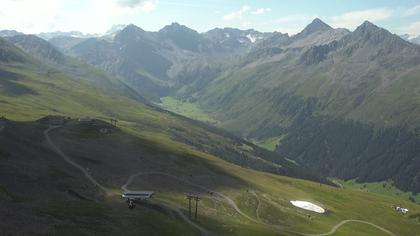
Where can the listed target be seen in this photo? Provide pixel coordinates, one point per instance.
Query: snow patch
(308, 206)
(251, 38)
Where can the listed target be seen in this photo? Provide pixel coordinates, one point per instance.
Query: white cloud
(260, 11)
(148, 6)
(28, 15)
(116, 7)
(351, 20)
(94, 16)
(412, 11)
(237, 14)
(413, 29)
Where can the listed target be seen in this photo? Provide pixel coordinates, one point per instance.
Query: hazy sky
(287, 16)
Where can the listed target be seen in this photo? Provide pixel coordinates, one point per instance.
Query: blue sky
(288, 16)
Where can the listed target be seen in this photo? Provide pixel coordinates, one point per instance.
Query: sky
(286, 16)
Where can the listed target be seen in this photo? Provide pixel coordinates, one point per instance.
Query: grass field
(385, 188)
(263, 197)
(187, 109)
(269, 143)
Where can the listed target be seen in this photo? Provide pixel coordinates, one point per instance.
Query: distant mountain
(184, 38)
(407, 37)
(316, 33)
(37, 47)
(232, 40)
(316, 91)
(75, 34)
(9, 53)
(320, 91)
(415, 40)
(146, 60)
(149, 61)
(9, 33)
(65, 43)
(75, 89)
(133, 54)
(115, 29)
(317, 37)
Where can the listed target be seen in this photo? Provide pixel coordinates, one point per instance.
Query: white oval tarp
(308, 206)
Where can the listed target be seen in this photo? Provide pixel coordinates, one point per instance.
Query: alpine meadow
(245, 118)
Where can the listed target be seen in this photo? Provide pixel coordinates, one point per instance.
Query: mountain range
(38, 61)
(337, 104)
(415, 39)
(272, 85)
(342, 103)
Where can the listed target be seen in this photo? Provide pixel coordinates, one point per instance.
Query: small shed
(86, 120)
(53, 120)
(57, 120)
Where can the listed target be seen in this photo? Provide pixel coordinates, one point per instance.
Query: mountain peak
(176, 27)
(373, 35)
(175, 24)
(368, 28)
(130, 31)
(131, 28)
(37, 46)
(318, 21)
(115, 29)
(9, 33)
(368, 25)
(315, 26)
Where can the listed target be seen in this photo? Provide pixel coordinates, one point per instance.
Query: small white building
(401, 209)
(133, 197)
(137, 195)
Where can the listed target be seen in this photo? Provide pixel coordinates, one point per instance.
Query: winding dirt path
(71, 162)
(233, 204)
(257, 211)
(258, 221)
(170, 205)
(227, 199)
(176, 208)
(337, 226)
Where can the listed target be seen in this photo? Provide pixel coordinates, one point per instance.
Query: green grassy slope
(112, 158)
(187, 109)
(151, 140)
(347, 109)
(268, 143)
(32, 90)
(385, 187)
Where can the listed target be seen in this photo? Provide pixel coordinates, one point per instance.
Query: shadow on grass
(11, 87)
